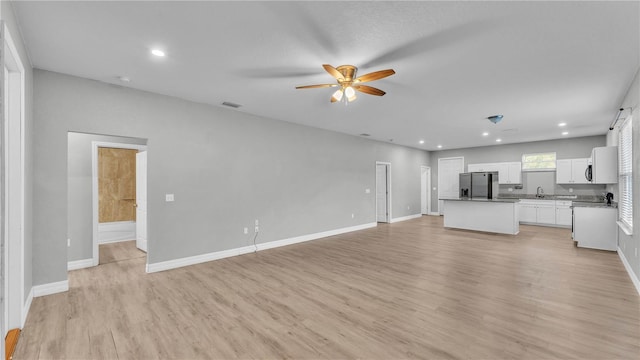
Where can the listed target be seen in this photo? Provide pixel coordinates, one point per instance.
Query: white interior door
(449, 170)
(425, 185)
(141, 200)
(382, 193)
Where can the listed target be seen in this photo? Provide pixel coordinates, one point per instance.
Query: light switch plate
(168, 197)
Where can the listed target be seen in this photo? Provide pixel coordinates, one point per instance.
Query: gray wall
(629, 244)
(565, 149)
(7, 15)
(225, 167)
(80, 189)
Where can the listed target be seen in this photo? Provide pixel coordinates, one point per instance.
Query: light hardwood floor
(406, 290)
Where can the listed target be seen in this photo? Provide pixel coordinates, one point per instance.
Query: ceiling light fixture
(421, 141)
(565, 133)
(349, 83)
(439, 146)
(562, 124)
(158, 52)
(495, 118)
(124, 79)
(498, 140)
(485, 134)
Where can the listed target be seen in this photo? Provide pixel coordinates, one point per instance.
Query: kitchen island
(489, 215)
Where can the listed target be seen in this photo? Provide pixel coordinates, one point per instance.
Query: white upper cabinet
(571, 171)
(508, 172)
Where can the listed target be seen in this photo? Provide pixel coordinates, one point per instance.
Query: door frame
(425, 189)
(94, 192)
(13, 82)
(388, 166)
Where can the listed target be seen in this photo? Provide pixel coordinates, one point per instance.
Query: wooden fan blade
(333, 71)
(376, 75)
(369, 90)
(316, 86)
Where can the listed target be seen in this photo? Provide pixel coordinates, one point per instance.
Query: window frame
(625, 176)
(553, 168)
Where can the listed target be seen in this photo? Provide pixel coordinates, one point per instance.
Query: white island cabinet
(489, 215)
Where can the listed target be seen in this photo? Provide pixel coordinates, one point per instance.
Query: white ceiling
(456, 63)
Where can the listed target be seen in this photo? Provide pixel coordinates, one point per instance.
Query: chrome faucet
(539, 192)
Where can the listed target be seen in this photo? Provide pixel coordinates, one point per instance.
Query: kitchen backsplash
(547, 180)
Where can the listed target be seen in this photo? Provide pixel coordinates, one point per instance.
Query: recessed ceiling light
(158, 52)
(498, 140)
(565, 133)
(364, 134)
(485, 134)
(124, 79)
(562, 124)
(439, 146)
(421, 141)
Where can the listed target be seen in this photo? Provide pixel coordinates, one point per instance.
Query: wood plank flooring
(406, 290)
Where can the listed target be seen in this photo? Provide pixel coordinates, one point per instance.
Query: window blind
(625, 174)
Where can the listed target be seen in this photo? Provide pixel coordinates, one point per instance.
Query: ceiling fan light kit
(348, 83)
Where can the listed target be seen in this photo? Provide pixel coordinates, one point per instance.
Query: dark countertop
(586, 198)
(599, 204)
(498, 200)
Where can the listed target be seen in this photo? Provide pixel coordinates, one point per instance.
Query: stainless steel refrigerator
(479, 185)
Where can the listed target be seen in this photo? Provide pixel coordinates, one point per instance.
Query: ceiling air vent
(365, 135)
(230, 104)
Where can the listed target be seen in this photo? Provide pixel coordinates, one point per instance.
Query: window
(625, 176)
(539, 162)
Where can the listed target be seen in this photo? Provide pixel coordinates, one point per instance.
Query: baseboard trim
(627, 266)
(26, 307)
(79, 264)
(405, 218)
(50, 288)
(434, 213)
(309, 237)
(198, 259)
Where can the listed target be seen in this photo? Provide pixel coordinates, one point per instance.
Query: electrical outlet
(353, 216)
(68, 242)
(367, 191)
(257, 223)
(246, 230)
(409, 207)
(169, 197)
(257, 229)
(570, 190)
(510, 189)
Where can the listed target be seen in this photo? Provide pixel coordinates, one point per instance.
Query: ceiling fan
(348, 83)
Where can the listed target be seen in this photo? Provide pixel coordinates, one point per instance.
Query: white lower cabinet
(564, 214)
(545, 212)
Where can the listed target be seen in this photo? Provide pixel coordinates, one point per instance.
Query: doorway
(119, 208)
(425, 192)
(383, 192)
(15, 300)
